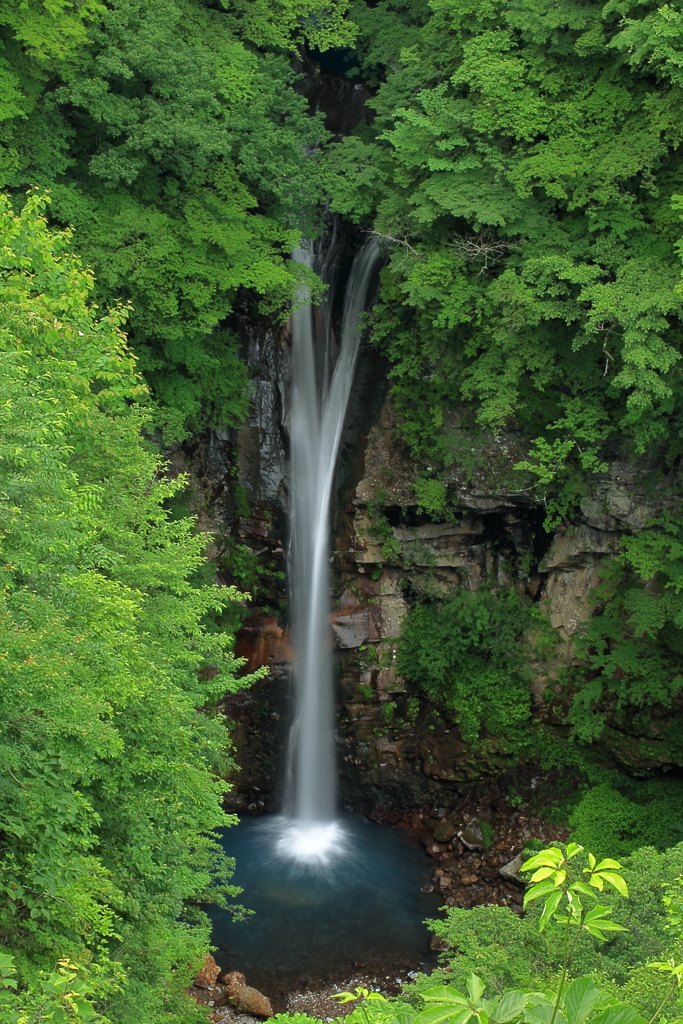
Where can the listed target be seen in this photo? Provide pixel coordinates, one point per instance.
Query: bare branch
(400, 241)
(482, 248)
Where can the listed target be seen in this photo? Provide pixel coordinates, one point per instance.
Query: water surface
(364, 912)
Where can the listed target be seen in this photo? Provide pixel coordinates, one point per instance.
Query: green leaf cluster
(62, 995)
(608, 820)
(110, 753)
(562, 877)
(468, 653)
(510, 952)
(633, 642)
(524, 166)
(172, 139)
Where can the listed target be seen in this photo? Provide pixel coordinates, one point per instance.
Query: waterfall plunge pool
(361, 911)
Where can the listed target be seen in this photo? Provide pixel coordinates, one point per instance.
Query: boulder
(567, 597)
(427, 840)
(510, 871)
(208, 974)
(472, 837)
(245, 998)
(624, 498)
(233, 978)
(445, 831)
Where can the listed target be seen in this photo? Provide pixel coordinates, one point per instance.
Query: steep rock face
(262, 441)
(344, 103)
(396, 748)
(394, 550)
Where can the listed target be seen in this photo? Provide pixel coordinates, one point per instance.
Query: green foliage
(432, 498)
(374, 1008)
(360, 995)
(564, 879)
(672, 968)
(243, 564)
(183, 158)
(381, 530)
(606, 820)
(634, 643)
(60, 996)
(287, 24)
(384, 29)
(510, 952)
(388, 711)
(487, 833)
(293, 1018)
(522, 169)
(467, 652)
(251, 572)
(564, 886)
(37, 37)
(493, 943)
(110, 789)
(580, 1001)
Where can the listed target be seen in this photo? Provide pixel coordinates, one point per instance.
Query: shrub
(607, 821)
(468, 652)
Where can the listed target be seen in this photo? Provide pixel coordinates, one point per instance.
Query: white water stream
(308, 831)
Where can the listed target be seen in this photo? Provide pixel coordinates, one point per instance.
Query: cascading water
(330, 891)
(320, 394)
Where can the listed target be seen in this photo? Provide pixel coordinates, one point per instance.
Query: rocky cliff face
(396, 749)
(399, 747)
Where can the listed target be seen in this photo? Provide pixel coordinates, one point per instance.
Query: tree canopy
(110, 778)
(524, 171)
(173, 142)
(526, 167)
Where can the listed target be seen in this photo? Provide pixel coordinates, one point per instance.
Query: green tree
(186, 162)
(110, 753)
(528, 160)
(61, 996)
(37, 35)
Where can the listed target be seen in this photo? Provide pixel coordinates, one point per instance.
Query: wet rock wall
(396, 749)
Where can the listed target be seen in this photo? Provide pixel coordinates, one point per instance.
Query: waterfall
(320, 394)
